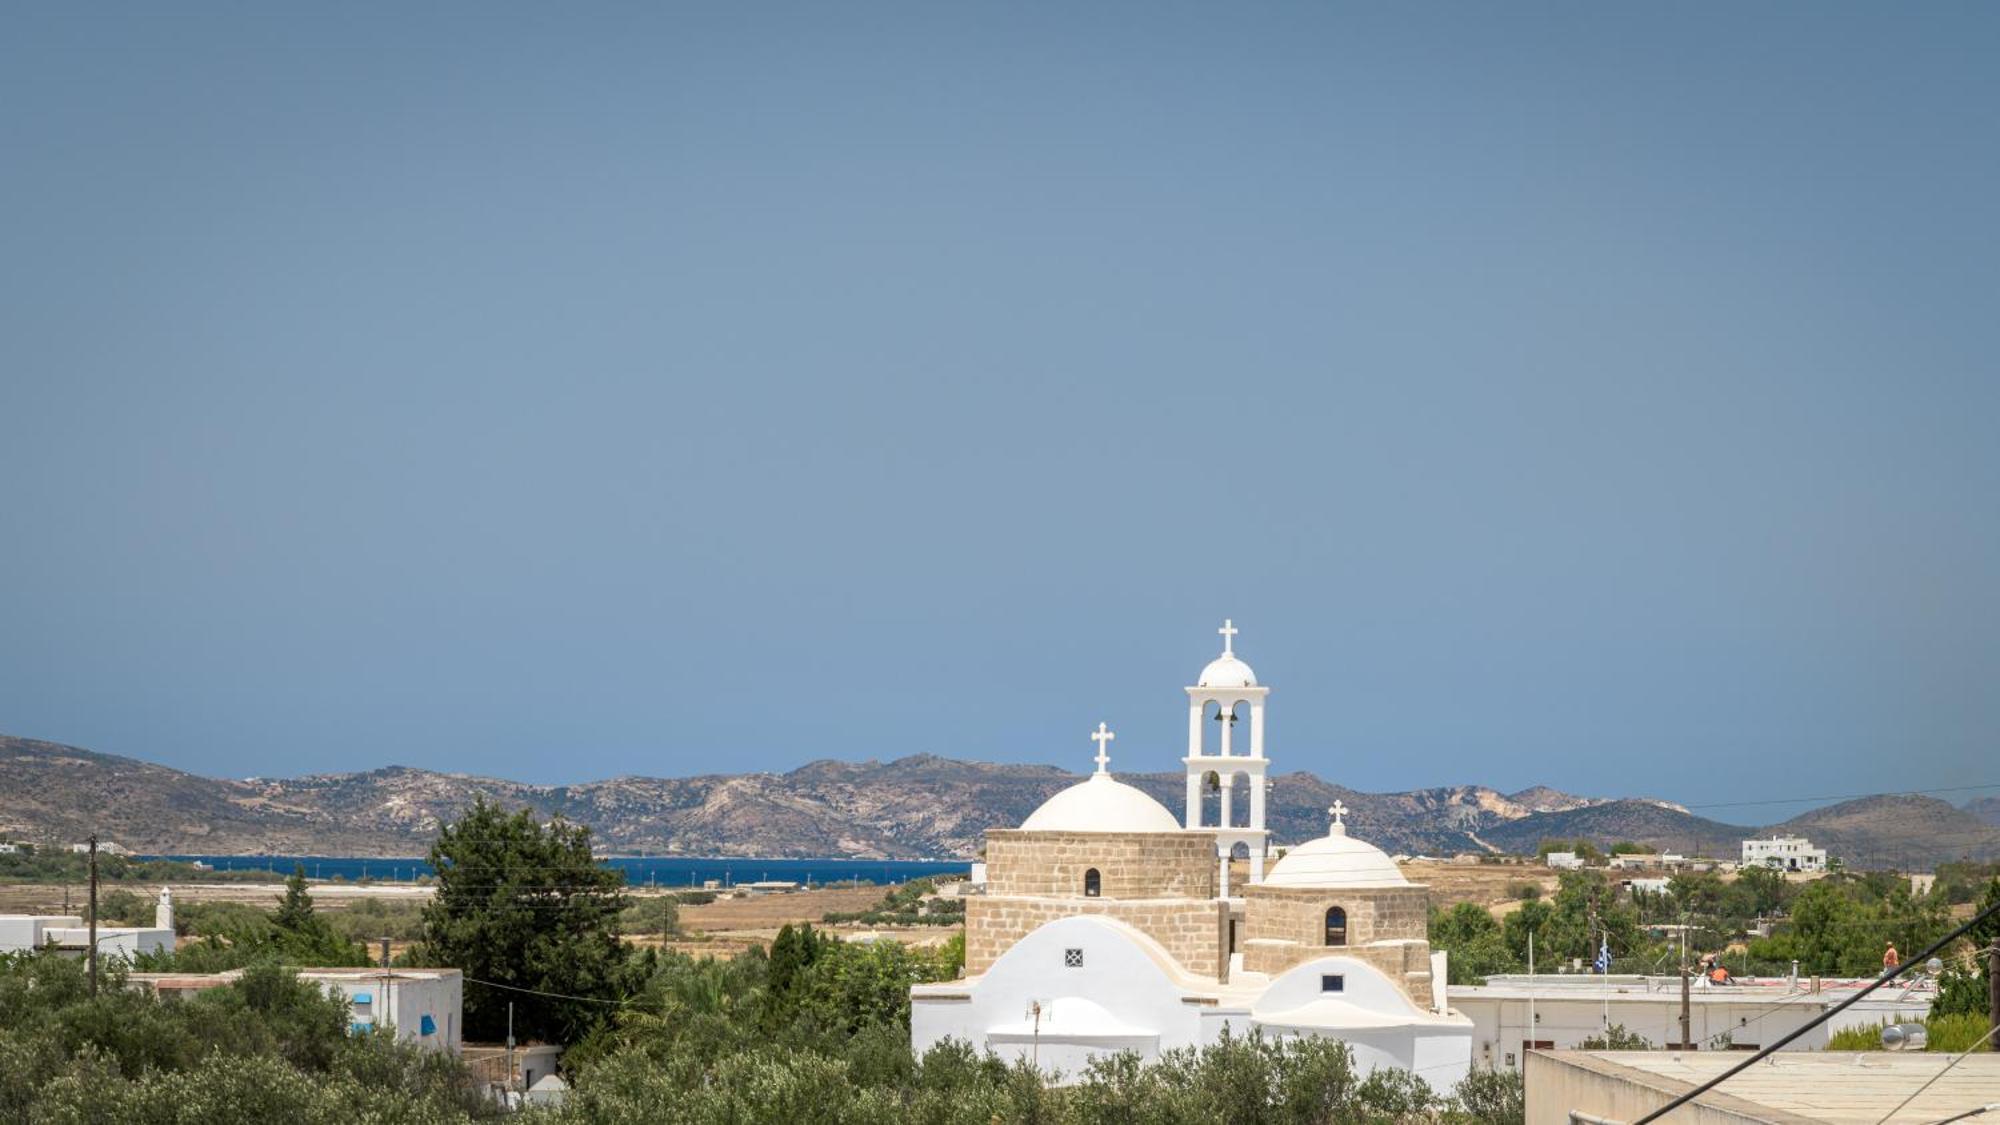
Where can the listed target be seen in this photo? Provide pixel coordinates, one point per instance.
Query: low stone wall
(1194, 933)
(1129, 864)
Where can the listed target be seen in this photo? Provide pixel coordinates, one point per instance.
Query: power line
(1936, 947)
(1946, 1069)
(1842, 797)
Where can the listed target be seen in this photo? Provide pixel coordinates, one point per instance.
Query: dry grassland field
(729, 925)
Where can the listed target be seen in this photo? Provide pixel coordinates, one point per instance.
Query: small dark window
(1093, 884)
(1072, 958)
(1336, 926)
(1332, 982)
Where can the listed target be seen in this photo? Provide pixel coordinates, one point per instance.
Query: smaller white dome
(1227, 671)
(1336, 860)
(1101, 804)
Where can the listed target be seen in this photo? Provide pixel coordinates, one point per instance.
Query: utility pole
(382, 1009)
(1993, 984)
(93, 914)
(511, 1083)
(1687, 1040)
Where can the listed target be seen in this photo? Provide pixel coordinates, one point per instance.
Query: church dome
(1101, 804)
(1226, 671)
(1335, 860)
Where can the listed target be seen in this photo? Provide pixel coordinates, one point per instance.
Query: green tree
(524, 906)
(295, 913)
(1474, 943)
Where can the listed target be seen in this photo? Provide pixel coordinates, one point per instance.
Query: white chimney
(163, 914)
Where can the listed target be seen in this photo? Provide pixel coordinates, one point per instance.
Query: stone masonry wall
(1386, 927)
(1299, 913)
(1194, 933)
(1129, 864)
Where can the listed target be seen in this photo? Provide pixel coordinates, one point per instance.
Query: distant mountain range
(915, 807)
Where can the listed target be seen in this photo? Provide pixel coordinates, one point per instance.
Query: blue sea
(639, 871)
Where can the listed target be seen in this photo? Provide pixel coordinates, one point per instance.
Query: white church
(1109, 925)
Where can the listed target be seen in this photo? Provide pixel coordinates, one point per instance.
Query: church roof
(1101, 804)
(1335, 860)
(1226, 672)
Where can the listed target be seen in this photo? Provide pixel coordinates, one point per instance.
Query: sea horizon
(639, 870)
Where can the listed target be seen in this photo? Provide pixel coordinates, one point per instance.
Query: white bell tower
(1231, 687)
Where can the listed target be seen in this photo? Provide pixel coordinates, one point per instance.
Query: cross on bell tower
(1228, 631)
(1101, 736)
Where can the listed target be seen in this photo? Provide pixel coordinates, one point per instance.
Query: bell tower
(1225, 694)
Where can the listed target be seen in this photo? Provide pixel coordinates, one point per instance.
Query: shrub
(1957, 1032)
(1616, 1038)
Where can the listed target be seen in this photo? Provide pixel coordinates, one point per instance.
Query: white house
(1110, 925)
(1787, 853)
(1564, 861)
(423, 1006)
(1514, 1013)
(68, 933)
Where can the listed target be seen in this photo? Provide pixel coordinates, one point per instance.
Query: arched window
(1093, 884)
(1336, 926)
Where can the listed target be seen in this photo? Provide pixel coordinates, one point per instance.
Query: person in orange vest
(1890, 959)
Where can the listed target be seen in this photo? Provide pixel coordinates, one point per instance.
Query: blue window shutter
(427, 1026)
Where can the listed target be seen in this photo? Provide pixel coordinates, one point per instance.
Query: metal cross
(1101, 736)
(1228, 631)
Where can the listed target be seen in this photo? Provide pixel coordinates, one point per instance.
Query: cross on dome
(1339, 810)
(1101, 736)
(1228, 631)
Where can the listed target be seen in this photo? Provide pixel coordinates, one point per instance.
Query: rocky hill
(1987, 809)
(1900, 830)
(920, 806)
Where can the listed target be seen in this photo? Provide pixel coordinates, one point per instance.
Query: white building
(67, 933)
(1787, 853)
(1110, 925)
(1845, 1087)
(1515, 1013)
(423, 1006)
(1564, 861)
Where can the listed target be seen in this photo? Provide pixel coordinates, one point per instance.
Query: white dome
(1227, 671)
(1335, 860)
(1101, 804)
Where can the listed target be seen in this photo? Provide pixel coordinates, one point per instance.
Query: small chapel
(1109, 924)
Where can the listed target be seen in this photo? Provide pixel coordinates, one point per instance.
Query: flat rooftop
(1845, 1087)
(1763, 990)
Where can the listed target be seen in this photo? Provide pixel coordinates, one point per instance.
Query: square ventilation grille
(1072, 958)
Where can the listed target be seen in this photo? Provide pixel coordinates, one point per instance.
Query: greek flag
(1603, 964)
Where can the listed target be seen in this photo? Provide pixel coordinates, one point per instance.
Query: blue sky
(1600, 397)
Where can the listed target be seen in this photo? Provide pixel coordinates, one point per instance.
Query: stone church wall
(1299, 913)
(1194, 933)
(1129, 864)
(1386, 927)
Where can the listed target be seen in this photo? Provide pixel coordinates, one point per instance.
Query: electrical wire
(1940, 1074)
(1843, 797)
(1936, 947)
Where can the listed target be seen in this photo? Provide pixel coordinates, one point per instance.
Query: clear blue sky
(1578, 394)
